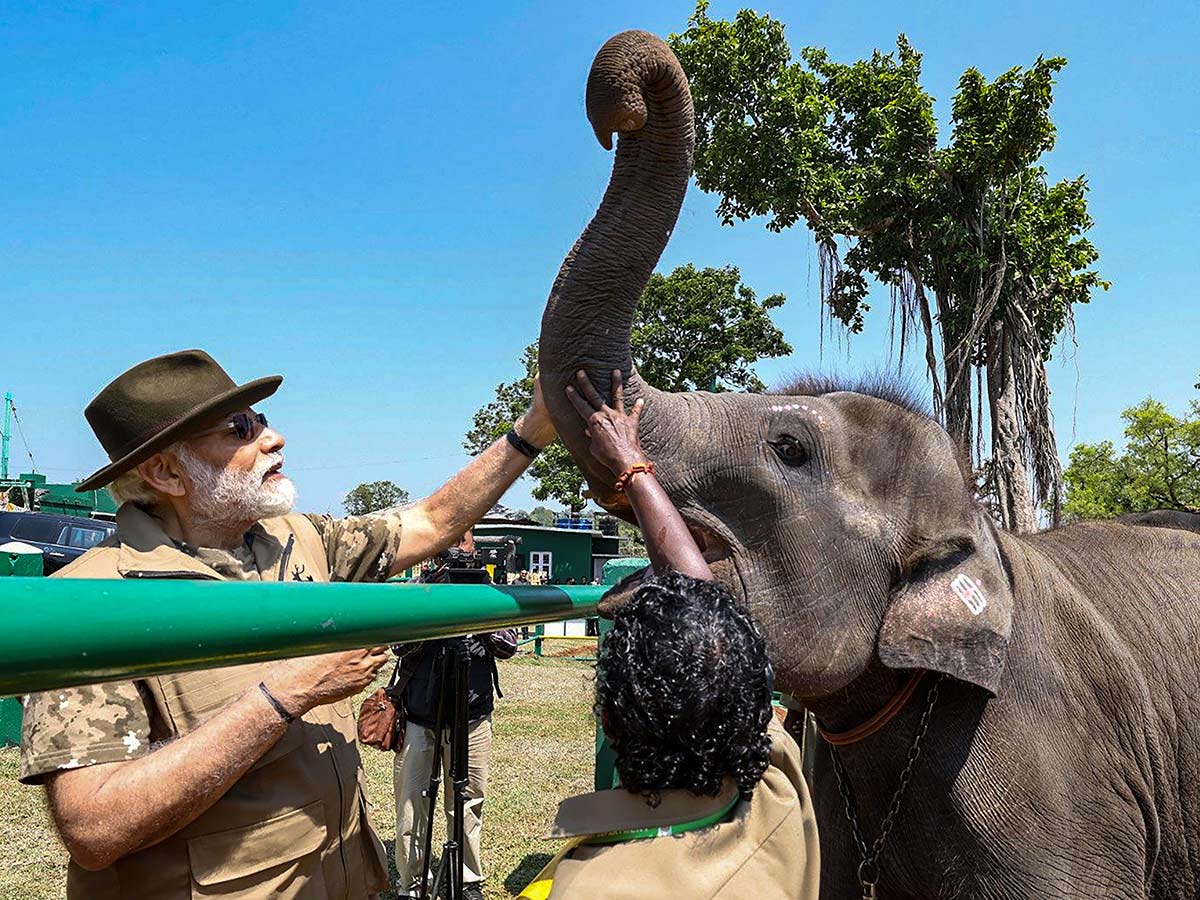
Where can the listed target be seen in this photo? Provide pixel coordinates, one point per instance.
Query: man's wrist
(286, 705)
(530, 430)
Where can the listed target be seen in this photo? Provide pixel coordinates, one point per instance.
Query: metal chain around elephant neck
(868, 869)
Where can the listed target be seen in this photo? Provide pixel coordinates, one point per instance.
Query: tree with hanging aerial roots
(984, 257)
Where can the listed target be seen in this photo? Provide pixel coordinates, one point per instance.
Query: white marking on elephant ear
(970, 591)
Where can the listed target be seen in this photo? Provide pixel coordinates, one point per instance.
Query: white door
(542, 562)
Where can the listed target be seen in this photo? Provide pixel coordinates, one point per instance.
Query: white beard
(225, 496)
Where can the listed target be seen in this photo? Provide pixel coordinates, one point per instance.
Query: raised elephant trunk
(637, 88)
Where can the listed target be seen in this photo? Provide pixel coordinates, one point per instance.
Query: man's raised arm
(434, 523)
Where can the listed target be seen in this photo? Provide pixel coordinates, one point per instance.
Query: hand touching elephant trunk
(637, 89)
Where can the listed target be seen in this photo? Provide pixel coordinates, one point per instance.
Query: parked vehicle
(62, 539)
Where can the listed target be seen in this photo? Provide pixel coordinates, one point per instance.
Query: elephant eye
(790, 451)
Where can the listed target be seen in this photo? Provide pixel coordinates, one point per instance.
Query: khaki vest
(295, 826)
(766, 850)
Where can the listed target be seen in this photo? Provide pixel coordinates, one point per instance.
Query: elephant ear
(953, 614)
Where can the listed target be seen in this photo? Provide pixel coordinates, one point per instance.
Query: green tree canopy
(1158, 469)
(701, 330)
(985, 259)
(373, 496)
(694, 329)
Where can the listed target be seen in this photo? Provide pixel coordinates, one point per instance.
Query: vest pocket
(278, 858)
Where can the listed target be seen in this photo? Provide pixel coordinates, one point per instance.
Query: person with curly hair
(712, 802)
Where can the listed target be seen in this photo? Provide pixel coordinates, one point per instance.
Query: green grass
(543, 752)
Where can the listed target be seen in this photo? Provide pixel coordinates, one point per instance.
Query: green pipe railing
(66, 632)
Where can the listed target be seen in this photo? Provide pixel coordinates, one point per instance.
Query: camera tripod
(455, 664)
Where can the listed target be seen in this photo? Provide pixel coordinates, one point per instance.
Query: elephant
(1054, 676)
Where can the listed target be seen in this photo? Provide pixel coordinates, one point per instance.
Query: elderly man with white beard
(241, 782)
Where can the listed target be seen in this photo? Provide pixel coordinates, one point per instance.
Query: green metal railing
(64, 632)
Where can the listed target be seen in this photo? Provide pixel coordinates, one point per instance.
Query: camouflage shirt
(113, 722)
(360, 548)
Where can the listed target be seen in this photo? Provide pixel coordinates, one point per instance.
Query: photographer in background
(418, 689)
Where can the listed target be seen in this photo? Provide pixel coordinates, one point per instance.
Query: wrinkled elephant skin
(1063, 757)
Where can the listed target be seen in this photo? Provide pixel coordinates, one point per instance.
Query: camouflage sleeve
(360, 548)
(82, 726)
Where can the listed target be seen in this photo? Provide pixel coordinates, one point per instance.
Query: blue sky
(373, 199)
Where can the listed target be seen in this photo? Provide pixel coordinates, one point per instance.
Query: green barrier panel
(10, 722)
(63, 632)
(20, 560)
(616, 569)
(605, 777)
(26, 562)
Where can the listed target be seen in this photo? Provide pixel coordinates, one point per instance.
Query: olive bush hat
(161, 401)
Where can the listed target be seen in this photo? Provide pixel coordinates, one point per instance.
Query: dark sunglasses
(244, 425)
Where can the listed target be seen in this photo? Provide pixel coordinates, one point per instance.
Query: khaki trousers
(410, 776)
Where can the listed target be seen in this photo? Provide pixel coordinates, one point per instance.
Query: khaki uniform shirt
(766, 849)
(294, 826)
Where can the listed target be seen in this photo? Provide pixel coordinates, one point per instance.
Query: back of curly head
(684, 690)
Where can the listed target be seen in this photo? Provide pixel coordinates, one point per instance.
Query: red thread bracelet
(635, 469)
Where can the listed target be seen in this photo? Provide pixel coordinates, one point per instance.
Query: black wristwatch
(522, 445)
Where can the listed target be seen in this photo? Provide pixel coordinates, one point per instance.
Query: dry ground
(543, 752)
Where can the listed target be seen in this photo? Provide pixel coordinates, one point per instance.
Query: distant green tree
(542, 515)
(631, 541)
(1158, 469)
(702, 330)
(695, 329)
(373, 496)
(985, 258)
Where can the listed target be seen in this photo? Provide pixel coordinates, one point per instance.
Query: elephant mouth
(717, 551)
(714, 547)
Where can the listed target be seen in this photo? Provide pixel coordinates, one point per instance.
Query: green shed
(574, 547)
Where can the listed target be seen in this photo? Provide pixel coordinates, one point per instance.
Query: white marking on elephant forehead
(71, 764)
(131, 742)
(970, 591)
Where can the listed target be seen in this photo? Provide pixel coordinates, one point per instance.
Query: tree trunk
(956, 364)
(1011, 476)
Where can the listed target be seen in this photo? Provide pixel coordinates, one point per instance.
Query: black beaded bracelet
(283, 713)
(522, 445)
